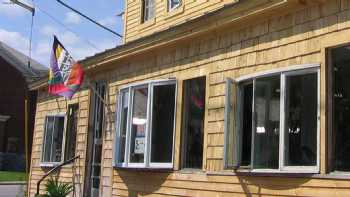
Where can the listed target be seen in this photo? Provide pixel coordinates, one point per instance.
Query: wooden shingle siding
(189, 9)
(283, 39)
(291, 39)
(53, 105)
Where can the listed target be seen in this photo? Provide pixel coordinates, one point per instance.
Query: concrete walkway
(12, 189)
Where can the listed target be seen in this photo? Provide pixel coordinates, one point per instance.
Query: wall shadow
(261, 184)
(140, 182)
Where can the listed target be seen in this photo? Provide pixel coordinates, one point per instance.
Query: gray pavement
(9, 190)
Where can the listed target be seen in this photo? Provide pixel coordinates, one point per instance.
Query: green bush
(54, 188)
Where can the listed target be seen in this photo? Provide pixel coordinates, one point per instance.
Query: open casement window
(53, 138)
(173, 4)
(231, 134)
(71, 131)
(145, 125)
(277, 122)
(148, 9)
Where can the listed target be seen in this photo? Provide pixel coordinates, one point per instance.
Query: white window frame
(4, 118)
(47, 163)
(282, 73)
(148, 132)
(147, 4)
(173, 8)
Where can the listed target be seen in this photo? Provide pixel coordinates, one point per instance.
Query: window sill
(147, 23)
(140, 169)
(174, 12)
(49, 164)
(191, 171)
(335, 176)
(273, 171)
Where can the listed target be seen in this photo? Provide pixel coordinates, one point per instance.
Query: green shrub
(54, 188)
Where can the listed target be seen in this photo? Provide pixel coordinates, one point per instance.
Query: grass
(6, 176)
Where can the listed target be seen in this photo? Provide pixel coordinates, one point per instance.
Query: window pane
(267, 120)
(123, 123)
(341, 109)
(151, 9)
(247, 115)
(163, 123)
(57, 139)
(101, 88)
(174, 3)
(301, 120)
(145, 14)
(71, 132)
(48, 138)
(138, 125)
(193, 122)
(148, 9)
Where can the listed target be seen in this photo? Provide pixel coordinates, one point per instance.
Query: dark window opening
(193, 122)
(163, 123)
(247, 91)
(267, 122)
(71, 133)
(301, 120)
(340, 96)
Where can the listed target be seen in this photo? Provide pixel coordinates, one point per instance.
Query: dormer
(145, 17)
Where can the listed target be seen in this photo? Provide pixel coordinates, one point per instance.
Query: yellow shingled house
(208, 98)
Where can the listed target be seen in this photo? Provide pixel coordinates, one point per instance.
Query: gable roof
(20, 61)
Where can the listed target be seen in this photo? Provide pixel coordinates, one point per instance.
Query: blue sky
(79, 36)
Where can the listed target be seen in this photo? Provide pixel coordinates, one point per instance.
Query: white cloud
(42, 51)
(15, 40)
(49, 30)
(72, 18)
(109, 21)
(68, 38)
(42, 48)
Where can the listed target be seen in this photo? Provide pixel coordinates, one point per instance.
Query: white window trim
(4, 118)
(283, 72)
(175, 7)
(127, 143)
(283, 167)
(147, 155)
(276, 71)
(53, 164)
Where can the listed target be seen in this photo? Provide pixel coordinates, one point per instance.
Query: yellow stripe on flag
(59, 50)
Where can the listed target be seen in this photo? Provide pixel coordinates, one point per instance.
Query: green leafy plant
(54, 188)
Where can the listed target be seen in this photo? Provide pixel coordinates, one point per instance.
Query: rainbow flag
(66, 75)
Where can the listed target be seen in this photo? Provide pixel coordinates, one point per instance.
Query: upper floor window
(146, 124)
(276, 123)
(173, 4)
(148, 10)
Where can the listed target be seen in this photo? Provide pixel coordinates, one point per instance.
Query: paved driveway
(12, 190)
